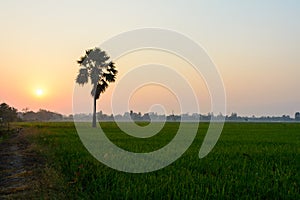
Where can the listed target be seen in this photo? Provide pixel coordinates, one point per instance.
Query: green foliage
(251, 160)
(96, 65)
(7, 114)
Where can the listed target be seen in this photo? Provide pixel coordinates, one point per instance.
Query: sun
(39, 92)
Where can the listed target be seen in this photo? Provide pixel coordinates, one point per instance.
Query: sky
(254, 44)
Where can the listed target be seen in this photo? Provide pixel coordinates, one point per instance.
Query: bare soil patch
(20, 167)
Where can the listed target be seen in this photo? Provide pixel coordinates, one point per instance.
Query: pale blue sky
(255, 45)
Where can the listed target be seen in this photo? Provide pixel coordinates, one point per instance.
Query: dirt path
(19, 167)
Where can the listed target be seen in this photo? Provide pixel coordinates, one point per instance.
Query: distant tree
(45, 115)
(297, 116)
(96, 65)
(25, 110)
(233, 116)
(220, 116)
(30, 116)
(8, 114)
(146, 117)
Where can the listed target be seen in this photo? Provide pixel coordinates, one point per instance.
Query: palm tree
(96, 65)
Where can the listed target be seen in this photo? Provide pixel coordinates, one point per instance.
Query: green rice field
(250, 161)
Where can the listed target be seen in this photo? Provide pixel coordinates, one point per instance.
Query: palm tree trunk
(94, 112)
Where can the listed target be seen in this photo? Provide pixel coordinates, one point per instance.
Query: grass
(4, 133)
(250, 160)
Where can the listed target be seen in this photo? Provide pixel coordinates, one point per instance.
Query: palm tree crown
(96, 65)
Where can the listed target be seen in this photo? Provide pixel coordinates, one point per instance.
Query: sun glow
(39, 92)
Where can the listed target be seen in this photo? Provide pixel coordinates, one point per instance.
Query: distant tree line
(41, 115)
(10, 114)
(152, 116)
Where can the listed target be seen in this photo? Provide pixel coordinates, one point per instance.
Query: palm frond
(82, 77)
(98, 56)
(87, 52)
(103, 85)
(111, 64)
(109, 77)
(95, 74)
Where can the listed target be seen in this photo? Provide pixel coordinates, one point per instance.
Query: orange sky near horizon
(254, 44)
